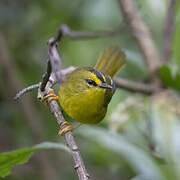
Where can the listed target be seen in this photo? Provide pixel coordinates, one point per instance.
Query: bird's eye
(91, 82)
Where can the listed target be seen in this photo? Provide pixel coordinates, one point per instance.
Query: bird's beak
(105, 85)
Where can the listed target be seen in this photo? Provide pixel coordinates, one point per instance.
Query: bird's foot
(51, 96)
(66, 127)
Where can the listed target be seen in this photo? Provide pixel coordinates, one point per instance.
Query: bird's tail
(111, 61)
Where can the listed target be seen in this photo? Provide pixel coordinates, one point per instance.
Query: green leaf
(169, 78)
(9, 159)
(139, 160)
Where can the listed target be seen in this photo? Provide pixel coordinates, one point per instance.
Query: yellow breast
(85, 107)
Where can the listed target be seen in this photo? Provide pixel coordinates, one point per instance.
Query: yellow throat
(86, 93)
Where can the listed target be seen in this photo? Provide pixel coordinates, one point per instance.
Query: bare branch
(51, 81)
(135, 86)
(28, 89)
(64, 30)
(55, 62)
(141, 32)
(168, 32)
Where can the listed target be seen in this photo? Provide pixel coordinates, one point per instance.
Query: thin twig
(64, 30)
(135, 86)
(168, 32)
(25, 90)
(55, 62)
(142, 34)
(64, 73)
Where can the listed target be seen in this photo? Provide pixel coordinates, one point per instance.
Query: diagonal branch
(142, 34)
(168, 32)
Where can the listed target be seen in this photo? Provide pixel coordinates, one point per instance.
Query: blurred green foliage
(9, 159)
(145, 143)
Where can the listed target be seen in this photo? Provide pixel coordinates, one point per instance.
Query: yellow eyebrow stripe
(98, 77)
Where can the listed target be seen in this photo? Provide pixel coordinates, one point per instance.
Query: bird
(87, 91)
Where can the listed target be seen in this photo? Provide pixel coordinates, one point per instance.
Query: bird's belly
(85, 109)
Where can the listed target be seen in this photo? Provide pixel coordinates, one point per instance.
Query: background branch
(135, 86)
(168, 32)
(141, 33)
(64, 30)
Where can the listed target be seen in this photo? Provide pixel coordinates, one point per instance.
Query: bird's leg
(65, 128)
(51, 95)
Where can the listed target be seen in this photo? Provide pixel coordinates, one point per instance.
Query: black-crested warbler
(86, 93)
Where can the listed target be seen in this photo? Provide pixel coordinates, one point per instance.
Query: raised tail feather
(111, 61)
